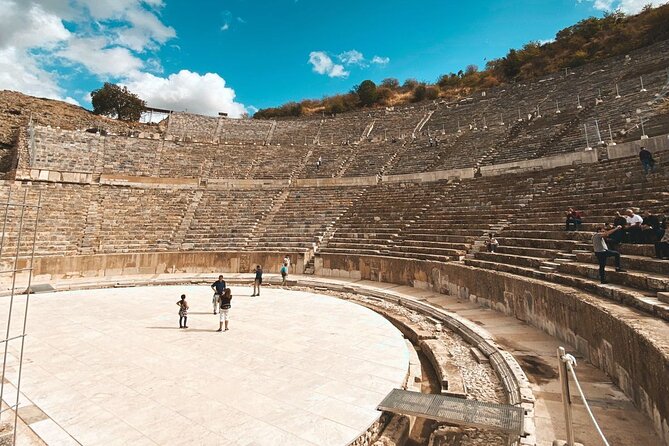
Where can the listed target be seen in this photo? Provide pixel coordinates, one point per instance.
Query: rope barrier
(571, 363)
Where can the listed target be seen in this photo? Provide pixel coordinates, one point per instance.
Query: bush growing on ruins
(366, 92)
(590, 40)
(117, 102)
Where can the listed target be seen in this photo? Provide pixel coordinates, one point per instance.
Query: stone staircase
(267, 219)
(270, 134)
(180, 234)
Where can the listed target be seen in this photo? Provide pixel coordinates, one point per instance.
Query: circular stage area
(111, 366)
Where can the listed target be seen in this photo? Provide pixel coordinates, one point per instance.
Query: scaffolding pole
(22, 236)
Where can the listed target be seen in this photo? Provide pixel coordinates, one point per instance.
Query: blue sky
(239, 55)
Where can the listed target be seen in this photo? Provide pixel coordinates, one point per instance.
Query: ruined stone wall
(201, 128)
(625, 344)
(64, 150)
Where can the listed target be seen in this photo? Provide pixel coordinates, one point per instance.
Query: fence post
(566, 397)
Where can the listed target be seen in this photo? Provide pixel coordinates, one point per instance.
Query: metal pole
(11, 299)
(587, 143)
(25, 315)
(4, 225)
(617, 92)
(641, 79)
(599, 135)
(566, 397)
(611, 136)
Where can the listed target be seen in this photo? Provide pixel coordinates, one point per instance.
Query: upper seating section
(560, 113)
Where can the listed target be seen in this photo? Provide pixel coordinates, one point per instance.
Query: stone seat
(420, 256)
(631, 262)
(528, 252)
(552, 235)
(424, 250)
(540, 243)
(511, 259)
(531, 226)
(640, 280)
(625, 295)
(431, 244)
(409, 234)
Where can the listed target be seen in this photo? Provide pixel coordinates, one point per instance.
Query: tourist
(226, 299)
(662, 247)
(319, 162)
(286, 261)
(651, 229)
(219, 288)
(633, 226)
(491, 243)
(574, 219)
(647, 160)
(602, 252)
(284, 274)
(183, 311)
(257, 281)
(619, 236)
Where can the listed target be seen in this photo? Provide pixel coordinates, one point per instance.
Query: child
(284, 274)
(226, 298)
(183, 311)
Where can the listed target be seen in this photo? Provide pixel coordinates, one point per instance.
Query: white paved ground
(111, 367)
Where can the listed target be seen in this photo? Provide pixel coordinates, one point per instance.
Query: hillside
(17, 108)
(590, 40)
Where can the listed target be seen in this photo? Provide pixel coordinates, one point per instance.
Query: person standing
(286, 261)
(183, 311)
(647, 160)
(284, 274)
(602, 252)
(319, 162)
(219, 288)
(257, 282)
(226, 299)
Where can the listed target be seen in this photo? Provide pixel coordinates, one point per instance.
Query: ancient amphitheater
(390, 227)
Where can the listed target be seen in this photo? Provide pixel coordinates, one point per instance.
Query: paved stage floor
(111, 366)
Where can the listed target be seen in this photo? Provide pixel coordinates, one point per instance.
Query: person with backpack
(226, 299)
(257, 282)
(284, 274)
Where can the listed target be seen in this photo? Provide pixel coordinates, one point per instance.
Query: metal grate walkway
(455, 410)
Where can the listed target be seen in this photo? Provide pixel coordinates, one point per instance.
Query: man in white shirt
(633, 227)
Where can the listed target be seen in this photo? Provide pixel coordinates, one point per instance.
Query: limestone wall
(160, 263)
(610, 336)
(631, 148)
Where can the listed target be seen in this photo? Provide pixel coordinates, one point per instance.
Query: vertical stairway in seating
(261, 225)
(270, 134)
(180, 235)
(90, 240)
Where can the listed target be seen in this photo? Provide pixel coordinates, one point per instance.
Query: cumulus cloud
(381, 60)
(113, 40)
(352, 57)
(626, 6)
(205, 94)
(323, 64)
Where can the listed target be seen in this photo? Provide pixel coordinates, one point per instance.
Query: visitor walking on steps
(226, 299)
(602, 252)
(183, 311)
(647, 160)
(219, 288)
(286, 260)
(284, 274)
(257, 281)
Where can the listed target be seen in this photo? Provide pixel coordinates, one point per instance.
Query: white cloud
(381, 60)
(114, 40)
(101, 60)
(626, 6)
(323, 64)
(206, 94)
(19, 71)
(352, 57)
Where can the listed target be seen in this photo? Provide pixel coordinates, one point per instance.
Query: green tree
(117, 102)
(367, 93)
(390, 83)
